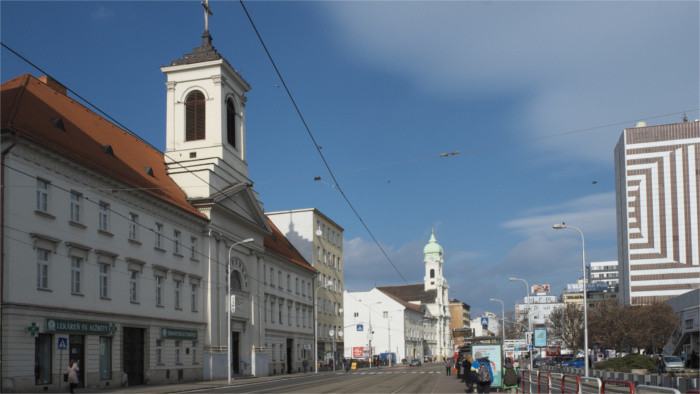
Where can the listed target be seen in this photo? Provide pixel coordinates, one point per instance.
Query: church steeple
(432, 253)
(205, 120)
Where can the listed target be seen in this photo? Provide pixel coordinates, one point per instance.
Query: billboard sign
(540, 337)
(540, 289)
(595, 286)
(357, 352)
(493, 352)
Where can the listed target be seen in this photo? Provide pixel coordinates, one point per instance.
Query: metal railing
(543, 381)
(577, 382)
(655, 389)
(619, 385)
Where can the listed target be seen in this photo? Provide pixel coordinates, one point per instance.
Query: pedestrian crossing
(396, 372)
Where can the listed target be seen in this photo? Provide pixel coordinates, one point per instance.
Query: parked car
(578, 362)
(673, 363)
(564, 359)
(415, 363)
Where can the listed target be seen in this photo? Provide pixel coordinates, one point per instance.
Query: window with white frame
(76, 263)
(42, 195)
(159, 236)
(272, 311)
(194, 298)
(272, 275)
(279, 310)
(42, 268)
(177, 294)
(133, 226)
(76, 202)
(296, 285)
(289, 283)
(133, 286)
(159, 290)
(289, 314)
(159, 351)
(279, 279)
(193, 248)
(318, 251)
(176, 242)
(104, 280)
(103, 216)
(178, 359)
(274, 353)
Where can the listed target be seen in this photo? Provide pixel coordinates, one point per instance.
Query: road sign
(62, 343)
(484, 321)
(307, 346)
(331, 332)
(233, 303)
(360, 327)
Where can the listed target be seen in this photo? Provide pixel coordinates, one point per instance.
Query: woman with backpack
(469, 373)
(510, 376)
(484, 375)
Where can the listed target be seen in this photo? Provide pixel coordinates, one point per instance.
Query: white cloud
(574, 64)
(100, 13)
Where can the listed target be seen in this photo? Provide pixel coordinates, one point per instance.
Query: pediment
(241, 200)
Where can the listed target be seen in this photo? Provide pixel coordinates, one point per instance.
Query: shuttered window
(194, 116)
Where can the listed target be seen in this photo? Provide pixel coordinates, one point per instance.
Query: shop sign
(80, 326)
(176, 333)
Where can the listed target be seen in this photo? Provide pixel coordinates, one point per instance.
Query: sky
(533, 96)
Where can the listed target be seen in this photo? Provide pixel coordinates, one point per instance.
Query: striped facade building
(656, 175)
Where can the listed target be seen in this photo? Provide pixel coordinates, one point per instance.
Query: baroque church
(131, 260)
(433, 296)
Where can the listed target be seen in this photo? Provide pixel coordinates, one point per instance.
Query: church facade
(432, 295)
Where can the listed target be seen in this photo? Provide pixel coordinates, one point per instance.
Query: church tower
(205, 124)
(433, 264)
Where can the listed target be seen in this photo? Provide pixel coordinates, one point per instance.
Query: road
(426, 379)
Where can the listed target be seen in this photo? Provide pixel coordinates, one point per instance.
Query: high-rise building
(459, 320)
(604, 272)
(656, 177)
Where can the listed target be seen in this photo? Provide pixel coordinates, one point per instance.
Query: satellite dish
(319, 233)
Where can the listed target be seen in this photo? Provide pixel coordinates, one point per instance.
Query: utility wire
(318, 148)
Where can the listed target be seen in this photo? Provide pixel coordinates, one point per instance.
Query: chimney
(53, 84)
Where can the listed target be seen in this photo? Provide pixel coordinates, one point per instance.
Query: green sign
(80, 326)
(176, 333)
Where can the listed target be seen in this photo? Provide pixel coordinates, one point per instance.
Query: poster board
(493, 352)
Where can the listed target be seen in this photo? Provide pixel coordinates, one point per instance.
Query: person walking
(448, 367)
(469, 373)
(484, 375)
(73, 369)
(660, 365)
(305, 364)
(510, 376)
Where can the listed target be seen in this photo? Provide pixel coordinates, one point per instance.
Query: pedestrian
(510, 376)
(683, 357)
(694, 360)
(346, 364)
(660, 365)
(484, 375)
(469, 373)
(305, 364)
(73, 369)
(448, 367)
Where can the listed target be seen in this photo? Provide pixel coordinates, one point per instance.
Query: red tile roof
(280, 245)
(29, 106)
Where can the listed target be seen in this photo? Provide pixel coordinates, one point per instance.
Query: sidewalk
(450, 384)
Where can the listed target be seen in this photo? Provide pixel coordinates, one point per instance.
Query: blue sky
(387, 82)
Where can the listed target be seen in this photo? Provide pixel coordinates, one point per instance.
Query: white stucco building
(432, 296)
(539, 307)
(383, 322)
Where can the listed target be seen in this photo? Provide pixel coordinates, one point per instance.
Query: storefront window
(105, 358)
(42, 359)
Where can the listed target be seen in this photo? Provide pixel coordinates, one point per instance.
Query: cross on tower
(207, 12)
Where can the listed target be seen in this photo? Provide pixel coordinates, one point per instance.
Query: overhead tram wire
(318, 148)
(116, 122)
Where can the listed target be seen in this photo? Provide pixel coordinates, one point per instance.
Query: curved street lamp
(228, 334)
(585, 290)
(529, 320)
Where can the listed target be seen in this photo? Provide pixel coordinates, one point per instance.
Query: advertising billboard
(493, 352)
(540, 289)
(540, 337)
(595, 286)
(357, 352)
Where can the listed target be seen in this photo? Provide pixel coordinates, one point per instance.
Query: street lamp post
(529, 320)
(503, 325)
(585, 290)
(316, 287)
(230, 305)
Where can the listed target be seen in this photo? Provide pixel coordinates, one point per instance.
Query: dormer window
(194, 116)
(231, 122)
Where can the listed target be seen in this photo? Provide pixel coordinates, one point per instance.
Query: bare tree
(566, 324)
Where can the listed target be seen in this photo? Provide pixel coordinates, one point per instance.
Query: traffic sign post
(62, 345)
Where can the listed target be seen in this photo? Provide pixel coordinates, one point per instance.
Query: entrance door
(290, 347)
(132, 354)
(234, 352)
(76, 349)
